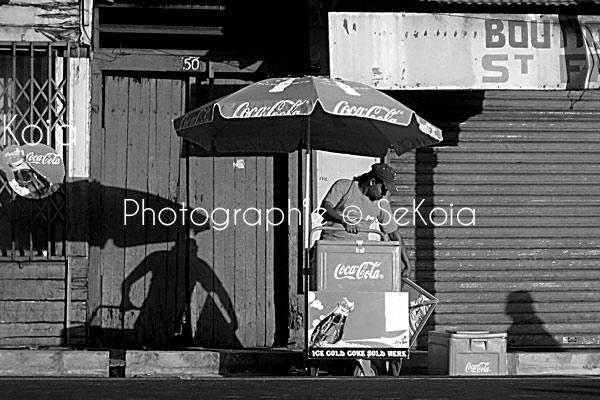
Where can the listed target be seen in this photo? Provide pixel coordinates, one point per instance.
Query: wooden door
(168, 273)
(143, 267)
(233, 306)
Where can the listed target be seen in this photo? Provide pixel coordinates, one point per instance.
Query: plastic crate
(467, 353)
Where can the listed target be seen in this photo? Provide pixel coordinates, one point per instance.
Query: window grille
(34, 91)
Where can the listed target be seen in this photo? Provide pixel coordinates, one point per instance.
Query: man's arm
(395, 236)
(332, 198)
(331, 215)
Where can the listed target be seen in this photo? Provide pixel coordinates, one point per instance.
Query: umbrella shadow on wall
(527, 328)
(157, 289)
(122, 251)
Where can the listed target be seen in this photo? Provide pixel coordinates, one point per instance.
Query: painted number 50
(191, 63)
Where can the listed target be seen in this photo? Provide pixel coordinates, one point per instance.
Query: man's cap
(386, 174)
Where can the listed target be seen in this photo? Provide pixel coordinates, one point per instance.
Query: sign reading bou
(466, 51)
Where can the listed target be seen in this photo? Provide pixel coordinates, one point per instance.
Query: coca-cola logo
(14, 156)
(482, 367)
(197, 117)
(43, 159)
(364, 271)
(373, 112)
(280, 108)
(33, 171)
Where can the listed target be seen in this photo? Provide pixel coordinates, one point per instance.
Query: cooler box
(467, 353)
(367, 266)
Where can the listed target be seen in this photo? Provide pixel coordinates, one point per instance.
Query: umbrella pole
(307, 228)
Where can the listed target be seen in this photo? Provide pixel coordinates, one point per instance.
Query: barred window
(33, 108)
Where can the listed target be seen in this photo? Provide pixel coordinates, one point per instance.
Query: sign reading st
(466, 51)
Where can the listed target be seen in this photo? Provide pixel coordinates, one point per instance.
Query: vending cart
(359, 307)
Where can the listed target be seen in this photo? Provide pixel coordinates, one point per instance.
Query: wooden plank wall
(142, 262)
(528, 163)
(234, 297)
(32, 304)
(295, 251)
(155, 283)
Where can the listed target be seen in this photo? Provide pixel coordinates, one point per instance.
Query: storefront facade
(152, 282)
(110, 259)
(502, 217)
(512, 243)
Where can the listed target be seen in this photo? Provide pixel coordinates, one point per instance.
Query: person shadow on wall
(164, 318)
(527, 329)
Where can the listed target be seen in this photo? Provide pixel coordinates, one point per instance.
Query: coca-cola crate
(467, 353)
(368, 266)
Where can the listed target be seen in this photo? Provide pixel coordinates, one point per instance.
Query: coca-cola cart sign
(33, 171)
(351, 324)
(360, 306)
(347, 265)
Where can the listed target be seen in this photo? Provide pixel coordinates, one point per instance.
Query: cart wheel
(358, 370)
(395, 367)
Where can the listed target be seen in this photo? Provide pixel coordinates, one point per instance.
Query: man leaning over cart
(353, 205)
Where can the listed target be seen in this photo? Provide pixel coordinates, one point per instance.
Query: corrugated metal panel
(528, 163)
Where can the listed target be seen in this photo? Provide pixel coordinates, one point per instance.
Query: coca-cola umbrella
(282, 115)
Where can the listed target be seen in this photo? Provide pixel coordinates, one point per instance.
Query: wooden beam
(94, 273)
(109, 61)
(163, 29)
(166, 61)
(165, 6)
(40, 311)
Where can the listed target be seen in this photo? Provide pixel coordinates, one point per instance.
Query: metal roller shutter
(528, 164)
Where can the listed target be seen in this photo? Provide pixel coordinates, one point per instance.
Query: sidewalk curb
(85, 363)
(201, 362)
(148, 363)
(583, 362)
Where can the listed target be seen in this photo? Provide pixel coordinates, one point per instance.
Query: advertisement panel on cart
(351, 324)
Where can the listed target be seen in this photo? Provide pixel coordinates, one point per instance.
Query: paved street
(429, 388)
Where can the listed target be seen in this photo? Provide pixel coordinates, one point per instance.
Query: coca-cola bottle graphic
(331, 328)
(25, 176)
